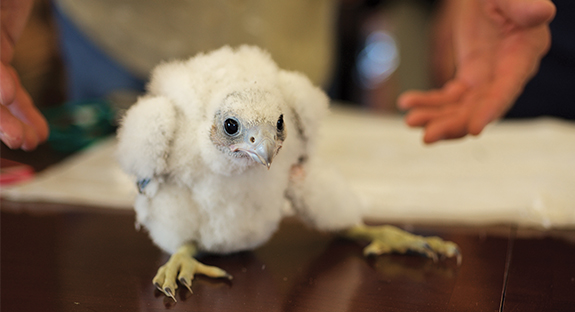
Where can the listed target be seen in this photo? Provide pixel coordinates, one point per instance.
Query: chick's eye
(281, 123)
(231, 126)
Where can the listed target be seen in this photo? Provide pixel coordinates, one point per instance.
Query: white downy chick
(219, 146)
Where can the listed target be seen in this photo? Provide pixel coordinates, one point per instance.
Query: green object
(76, 125)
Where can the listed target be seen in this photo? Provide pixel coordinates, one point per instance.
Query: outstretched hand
(21, 124)
(498, 45)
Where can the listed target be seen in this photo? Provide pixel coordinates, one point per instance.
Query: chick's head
(248, 128)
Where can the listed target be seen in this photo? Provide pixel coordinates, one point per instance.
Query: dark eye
(231, 126)
(281, 123)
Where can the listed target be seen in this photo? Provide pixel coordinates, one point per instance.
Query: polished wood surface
(60, 258)
(67, 258)
(542, 274)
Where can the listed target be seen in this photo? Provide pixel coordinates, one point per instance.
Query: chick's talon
(187, 282)
(390, 239)
(445, 249)
(182, 266)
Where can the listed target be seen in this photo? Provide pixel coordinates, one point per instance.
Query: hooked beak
(260, 144)
(263, 153)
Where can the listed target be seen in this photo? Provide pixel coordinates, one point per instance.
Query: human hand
(21, 124)
(498, 45)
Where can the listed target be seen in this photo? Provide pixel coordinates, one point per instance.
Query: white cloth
(520, 172)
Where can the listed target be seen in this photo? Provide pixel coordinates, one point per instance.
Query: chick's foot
(390, 239)
(182, 266)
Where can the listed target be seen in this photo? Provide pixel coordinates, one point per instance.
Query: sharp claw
(430, 253)
(168, 292)
(181, 267)
(158, 287)
(186, 283)
(434, 257)
(452, 250)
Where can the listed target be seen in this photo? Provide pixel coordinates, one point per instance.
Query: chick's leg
(182, 266)
(322, 198)
(390, 239)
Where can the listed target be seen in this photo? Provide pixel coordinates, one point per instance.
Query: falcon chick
(221, 148)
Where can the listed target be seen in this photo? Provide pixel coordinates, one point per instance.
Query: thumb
(528, 13)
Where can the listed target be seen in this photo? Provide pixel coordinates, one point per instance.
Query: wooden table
(68, 258)
(82, 259)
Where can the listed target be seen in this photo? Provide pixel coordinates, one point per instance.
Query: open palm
(498, 45)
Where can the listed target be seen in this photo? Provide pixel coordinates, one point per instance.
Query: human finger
(31, 139)
(16, 134)
(419, 117)
(451, 92)
(17, 100)
(528, 13)
(24, 109)
(11, 129)
(21, 124)
(452, 126)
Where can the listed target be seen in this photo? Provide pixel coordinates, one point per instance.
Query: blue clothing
(90, 73)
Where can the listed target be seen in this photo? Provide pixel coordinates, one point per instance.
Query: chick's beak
(264, 152)
(260, 144)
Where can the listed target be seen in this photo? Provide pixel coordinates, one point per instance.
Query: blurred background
(85, 61)
(377, 50)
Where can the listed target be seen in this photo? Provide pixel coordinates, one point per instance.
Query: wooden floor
(62, 258)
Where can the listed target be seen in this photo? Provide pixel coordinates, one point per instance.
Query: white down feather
(201, 195)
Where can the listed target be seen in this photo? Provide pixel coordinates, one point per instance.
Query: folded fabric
(520, 172)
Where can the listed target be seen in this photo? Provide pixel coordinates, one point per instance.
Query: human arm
(21, 124)
(497, 48)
